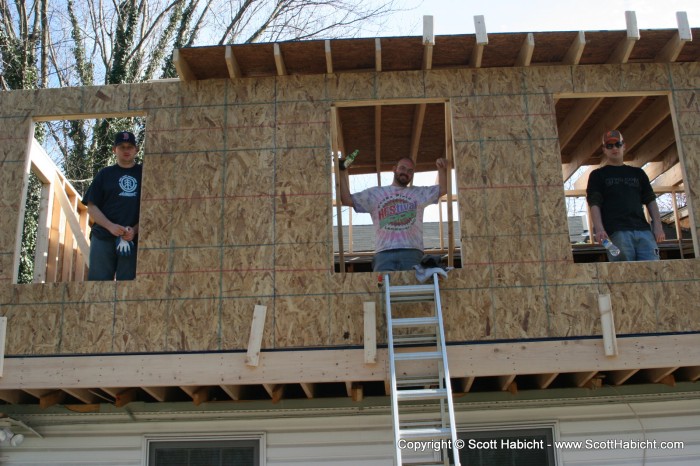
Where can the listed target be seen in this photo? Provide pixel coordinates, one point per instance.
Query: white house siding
(360, 437)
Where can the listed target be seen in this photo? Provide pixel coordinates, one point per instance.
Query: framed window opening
(53, 235)
(384, 131)
(646, 123)
(521, 446)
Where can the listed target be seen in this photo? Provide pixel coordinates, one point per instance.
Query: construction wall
(236, 207)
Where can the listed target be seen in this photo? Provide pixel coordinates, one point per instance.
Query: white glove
(124, 247)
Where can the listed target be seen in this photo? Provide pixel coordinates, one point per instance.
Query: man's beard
(398, 180)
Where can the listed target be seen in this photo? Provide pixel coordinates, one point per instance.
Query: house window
(219, 452)
(511, 447)
(646, 123)
(382, 133)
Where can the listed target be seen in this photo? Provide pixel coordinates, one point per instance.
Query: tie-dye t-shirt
(397, 214)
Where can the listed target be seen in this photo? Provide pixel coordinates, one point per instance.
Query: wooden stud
(72, 219)
(279, 60)
(657, 375)
(674, 46)
(329, 56)
(159, 393)
(234, 69)
(583, 108)
(234, 391)
(582, 378)
(464, 384)
(183, 68)
(125, 397)
(82, 394)
(336, 135)
(607, 324)
(505, 381)
(378, 54)
(309, 389)
(378, 142)
(52, 398)
(691, 374)
(575, 51)
(13, 397)
(3, 335)
(257, 328)
(545, 380)
(449, 146)
(357, 392)
(671, 177)
(428, 42)
(526, 51)
(276, 391)
(623, 50)
(619, 377)
(652, 147)
(370, 333)
(482, 39)
(417, 131)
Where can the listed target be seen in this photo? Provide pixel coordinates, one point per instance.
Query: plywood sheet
(302, 321)
(250, 126)
(573, 310)
(106, 99)
(602, 78)
(140, 326)
(302, 124)
(551, 80)
(468, 314)
(686, 75)
(393, 85)
(236, 318)
(87, 328)
(646, 76)
(193, 325)
(520, 313)
(33, 329)
(351, 86)
(450, 83)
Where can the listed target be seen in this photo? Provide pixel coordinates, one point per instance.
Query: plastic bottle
(347, 161)
(614, 250)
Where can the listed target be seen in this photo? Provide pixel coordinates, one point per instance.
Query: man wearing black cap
(113, 201)
(616, 193)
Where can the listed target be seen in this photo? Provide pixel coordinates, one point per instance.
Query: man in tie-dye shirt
(397, 214)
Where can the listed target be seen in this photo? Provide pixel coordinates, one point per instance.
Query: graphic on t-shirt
(397, 213)
(128, 184)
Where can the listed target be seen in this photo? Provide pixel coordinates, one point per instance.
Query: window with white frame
(204, 452)
(527, 446)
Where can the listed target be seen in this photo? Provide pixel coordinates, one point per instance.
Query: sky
(457, 16)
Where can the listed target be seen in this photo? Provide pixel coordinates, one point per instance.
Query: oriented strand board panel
(236, 211)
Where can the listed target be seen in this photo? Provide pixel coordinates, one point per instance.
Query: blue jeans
(396, 259)
(106, 264)
(635, 245)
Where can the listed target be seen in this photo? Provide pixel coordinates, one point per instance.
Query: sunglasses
(618, 144)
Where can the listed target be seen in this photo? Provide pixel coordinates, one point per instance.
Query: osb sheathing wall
(236, 212)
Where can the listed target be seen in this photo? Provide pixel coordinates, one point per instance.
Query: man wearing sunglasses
(616, 194)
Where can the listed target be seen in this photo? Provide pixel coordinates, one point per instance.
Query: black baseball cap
(124, 136)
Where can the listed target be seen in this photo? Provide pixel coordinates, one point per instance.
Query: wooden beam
(370, 333)
(309, 389)
(526, 51)
(428, 42)
(482, 39)
(545, 380)
(125, 397)
(689, 373)
(336, 147)
(378, 142)
(463, 384)
(357, 392)
(159, 393)
(234, 391)
(607, 324)
(199, 394)
(582, 378)
(52, 398)
(279, 60)
(617, 114)
(576, 118)
(619, 377)
(13, 397)
(669, 158)
(378, 54)
(82, 394)
(658, 143)
(659, 374)
(257, 328)
(276, 391)
(333, 366)
(622, 52)
(671, 177)
(417, 131)
(573, 54)
(183, 68)
(3, 335)
(504, 381)
(674, 46)
(72, 219)
(329, 56)
(234, 70)
(449, 149)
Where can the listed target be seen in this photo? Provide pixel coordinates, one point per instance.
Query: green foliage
(29, 230)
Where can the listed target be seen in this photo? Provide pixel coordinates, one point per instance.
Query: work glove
(124, 247)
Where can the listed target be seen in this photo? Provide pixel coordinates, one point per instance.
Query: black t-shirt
(116, 191)
(621, 192)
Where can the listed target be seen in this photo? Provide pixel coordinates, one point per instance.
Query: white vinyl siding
(358, 437)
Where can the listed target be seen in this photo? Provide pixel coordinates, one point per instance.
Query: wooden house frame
(236, 298)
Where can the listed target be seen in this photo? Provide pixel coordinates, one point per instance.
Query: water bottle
(349, 159)
(614, 250)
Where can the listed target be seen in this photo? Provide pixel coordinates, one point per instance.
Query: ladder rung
(417, 381)
(421, 394)
(436, 423)
(425, 433)
(418, 356)
(406, 293)
(414, 322)
(416, 340)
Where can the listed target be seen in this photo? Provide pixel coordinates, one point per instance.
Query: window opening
(383, 133)
(54, 244)
(645, 122)
(222, 452)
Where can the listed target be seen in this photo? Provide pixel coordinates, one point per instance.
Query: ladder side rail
(448, 384)
(392, 370)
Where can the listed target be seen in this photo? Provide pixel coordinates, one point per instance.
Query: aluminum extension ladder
(419, 372)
